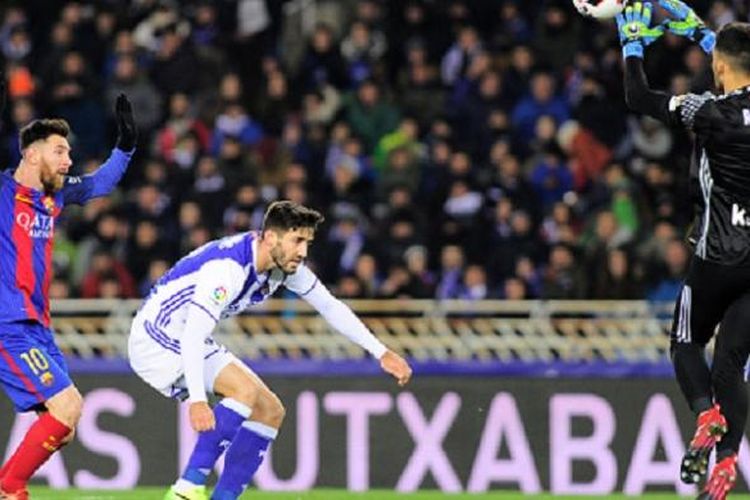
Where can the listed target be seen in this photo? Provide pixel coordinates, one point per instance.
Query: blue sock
(243, 458)
(229, 415)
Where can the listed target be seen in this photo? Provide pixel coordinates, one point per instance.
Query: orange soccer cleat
(22, 494)
(722, 480)
(710, 428)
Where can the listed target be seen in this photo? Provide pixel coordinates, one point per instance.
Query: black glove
(127, 134)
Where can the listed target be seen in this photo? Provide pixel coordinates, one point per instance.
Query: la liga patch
(219, 295)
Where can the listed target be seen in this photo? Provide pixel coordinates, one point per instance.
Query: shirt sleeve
(302, 281)
(691, 108)
(641, 98)
(305, 284)
(217, 285)
(693, 111)
(80, 189)
(191, 350)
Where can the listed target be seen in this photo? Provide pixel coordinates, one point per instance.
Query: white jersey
(219, 279)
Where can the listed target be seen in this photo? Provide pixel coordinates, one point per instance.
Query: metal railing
(616, 331)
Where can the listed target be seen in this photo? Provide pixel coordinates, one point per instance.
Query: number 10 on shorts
(36, 360)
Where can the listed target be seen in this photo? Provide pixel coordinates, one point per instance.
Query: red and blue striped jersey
(27, 227)
(27, 230)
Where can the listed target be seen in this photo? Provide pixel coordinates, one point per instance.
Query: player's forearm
(199, 325)
(345, 321)
(341, 318)
(106, 177)
(640, 97)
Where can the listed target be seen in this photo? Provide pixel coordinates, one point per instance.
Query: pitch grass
(39, 493)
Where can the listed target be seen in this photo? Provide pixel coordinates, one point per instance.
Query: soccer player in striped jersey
(171, 346)
(33, 372)
(717, 286)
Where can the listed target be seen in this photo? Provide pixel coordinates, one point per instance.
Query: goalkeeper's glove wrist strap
(632, 49)
(706, 39)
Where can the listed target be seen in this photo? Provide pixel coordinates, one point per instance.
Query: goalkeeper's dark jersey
(720, 167)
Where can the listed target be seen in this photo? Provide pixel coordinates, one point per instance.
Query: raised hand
(685, 22)
(127, 133)
(635, 30)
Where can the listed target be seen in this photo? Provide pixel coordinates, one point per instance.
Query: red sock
(5, 467)
(40, 442)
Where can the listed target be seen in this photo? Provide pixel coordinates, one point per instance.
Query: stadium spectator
(541, 100)
(128, 78)
(451, 268)
(514, 289)
(563, 278)
(104, 268)
(618, 281)
(369, 114)
(366, 272)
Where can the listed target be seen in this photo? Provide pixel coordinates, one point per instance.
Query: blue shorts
(32, 368)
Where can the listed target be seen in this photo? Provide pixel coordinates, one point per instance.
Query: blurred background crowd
(458, 149)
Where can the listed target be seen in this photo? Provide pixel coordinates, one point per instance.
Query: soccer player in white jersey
(171, 346)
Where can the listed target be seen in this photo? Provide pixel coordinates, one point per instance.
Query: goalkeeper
(717, 286)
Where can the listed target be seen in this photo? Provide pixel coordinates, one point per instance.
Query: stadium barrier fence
(536, 338)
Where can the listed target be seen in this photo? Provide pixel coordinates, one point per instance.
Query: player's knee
(67, 439)
(66, 406)
(75, 408)
(76, 405)
(269, 411)
(278, 412)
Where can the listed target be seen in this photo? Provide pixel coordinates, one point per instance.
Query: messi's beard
(52, 181)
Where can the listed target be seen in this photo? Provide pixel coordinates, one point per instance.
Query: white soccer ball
(600, 9)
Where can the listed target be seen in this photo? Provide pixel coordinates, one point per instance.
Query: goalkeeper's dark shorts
(708, 291)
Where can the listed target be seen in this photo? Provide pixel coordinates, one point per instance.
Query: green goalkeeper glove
(635, 30)
(687, 23)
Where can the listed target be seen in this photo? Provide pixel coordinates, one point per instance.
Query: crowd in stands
(458, 149)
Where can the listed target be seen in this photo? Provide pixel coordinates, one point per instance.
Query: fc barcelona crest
(49, 203)
(47, 379)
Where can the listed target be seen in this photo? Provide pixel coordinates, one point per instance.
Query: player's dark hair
(286, 215)
(39, 130)
(733, 41)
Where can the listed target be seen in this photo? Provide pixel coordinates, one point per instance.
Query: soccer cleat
(18, 495)
(710, 429)
(722, 480)
(196, 493)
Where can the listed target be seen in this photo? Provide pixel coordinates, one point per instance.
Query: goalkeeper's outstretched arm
(636, 33)
(641, 98)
